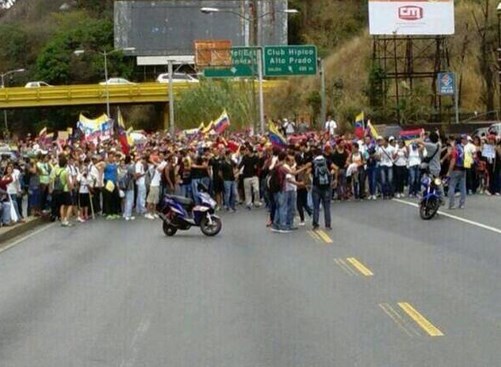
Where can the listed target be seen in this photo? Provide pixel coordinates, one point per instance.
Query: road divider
(353, 266)
(409, 320)
(426, 325)
(360, 267)
(324, 236)
(345, 267)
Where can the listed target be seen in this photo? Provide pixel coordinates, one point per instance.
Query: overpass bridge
(93, 94)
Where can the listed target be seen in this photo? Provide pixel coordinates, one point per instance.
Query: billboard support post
(171, 101)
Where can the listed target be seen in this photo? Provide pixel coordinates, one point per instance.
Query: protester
(457, 173)
(322, 168)
(62, 185)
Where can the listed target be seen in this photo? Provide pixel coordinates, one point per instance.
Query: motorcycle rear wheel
(168, 229)
(211, 229)
(428, 208)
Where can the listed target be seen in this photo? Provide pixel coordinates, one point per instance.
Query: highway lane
(122, 294)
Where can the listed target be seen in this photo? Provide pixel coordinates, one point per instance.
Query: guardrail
(93, 94)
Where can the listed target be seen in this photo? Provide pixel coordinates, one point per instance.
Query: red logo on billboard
(410, 12)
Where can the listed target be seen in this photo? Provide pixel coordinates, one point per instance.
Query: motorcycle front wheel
(211, 229)
(168, 229)
(428, 208)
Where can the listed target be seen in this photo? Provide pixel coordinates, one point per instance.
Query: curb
(20, 229)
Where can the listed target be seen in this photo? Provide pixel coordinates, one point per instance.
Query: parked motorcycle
(432, 197)
(180, 213)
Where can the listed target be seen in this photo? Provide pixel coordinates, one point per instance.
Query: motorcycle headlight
(437, 181)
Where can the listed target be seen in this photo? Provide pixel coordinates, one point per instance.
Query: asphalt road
(384, 288)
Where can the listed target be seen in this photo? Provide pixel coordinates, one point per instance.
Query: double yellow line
(320, 236)
(353, 267)
(404, 323)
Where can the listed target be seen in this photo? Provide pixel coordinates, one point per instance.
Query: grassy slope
(350, 62)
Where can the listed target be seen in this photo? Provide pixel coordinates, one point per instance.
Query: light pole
(498, 11)
(255, 42)
(3, 86)
(105, 55)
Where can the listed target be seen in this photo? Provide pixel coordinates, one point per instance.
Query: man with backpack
(61, 188)
(457, 172)
(322, 188)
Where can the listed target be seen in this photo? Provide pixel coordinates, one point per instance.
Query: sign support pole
(456, 98)
(261, 94)
(171, 100)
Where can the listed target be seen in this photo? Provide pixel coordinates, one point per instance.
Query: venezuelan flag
(359, 126)
(276, 138)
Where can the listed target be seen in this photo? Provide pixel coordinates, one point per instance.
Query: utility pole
(323, 112)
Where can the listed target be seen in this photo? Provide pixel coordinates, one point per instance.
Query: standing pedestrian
(457, 173)
(322, 168)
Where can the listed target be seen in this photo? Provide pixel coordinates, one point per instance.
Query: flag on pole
(372, 130)
(359, 125)
(207, 129)
(276, 138)
(43, 132)
(122, 134)
(221, 123)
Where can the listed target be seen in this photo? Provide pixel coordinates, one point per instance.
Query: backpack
(58, 183)
(124, 181)
(459, 156)
(321, 173)
(276, 180)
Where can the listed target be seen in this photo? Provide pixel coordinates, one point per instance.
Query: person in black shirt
(217, 182)
(227, 175)
(339, 158)
(250, 164)
(198, 173)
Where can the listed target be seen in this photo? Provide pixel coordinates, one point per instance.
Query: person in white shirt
(414, 152)
(157, 169)
(85, 182)
(13, 188)
(140, 174)
(289, 127)
(400, 168)
(386, 154)
(330, 126)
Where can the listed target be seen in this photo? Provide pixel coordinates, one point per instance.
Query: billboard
(170, 27)
(419, 17)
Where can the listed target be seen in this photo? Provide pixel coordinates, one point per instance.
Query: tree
(13, 46)
(207, 101)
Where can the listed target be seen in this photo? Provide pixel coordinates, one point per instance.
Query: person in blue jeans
(227, 175)
(322, 189)
(372, 171)
(199, 171)
(457, 173)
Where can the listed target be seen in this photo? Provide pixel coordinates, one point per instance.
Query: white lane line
(464, 220)
(24, 238)
(130, 360)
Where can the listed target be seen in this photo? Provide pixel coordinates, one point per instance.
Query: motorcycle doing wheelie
(432, 197)
(180, 213)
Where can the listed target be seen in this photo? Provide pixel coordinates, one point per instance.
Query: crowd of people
(82, 180)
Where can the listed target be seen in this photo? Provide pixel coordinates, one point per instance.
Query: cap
(391, 138)
(379, 137)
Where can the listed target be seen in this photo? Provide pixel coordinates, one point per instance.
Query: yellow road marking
(397, 319)
(324, 236)
(342, 264)
(360, 267)
(420, 319)
(315, 236)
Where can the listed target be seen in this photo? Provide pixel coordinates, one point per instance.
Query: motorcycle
(180, 213)
(432, 197)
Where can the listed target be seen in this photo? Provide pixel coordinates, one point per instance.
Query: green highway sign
(244, 64)
(290, 60)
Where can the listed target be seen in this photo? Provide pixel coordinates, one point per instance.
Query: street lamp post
(105, 55)
(254, 20)
(3, 86)
(498, 11)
